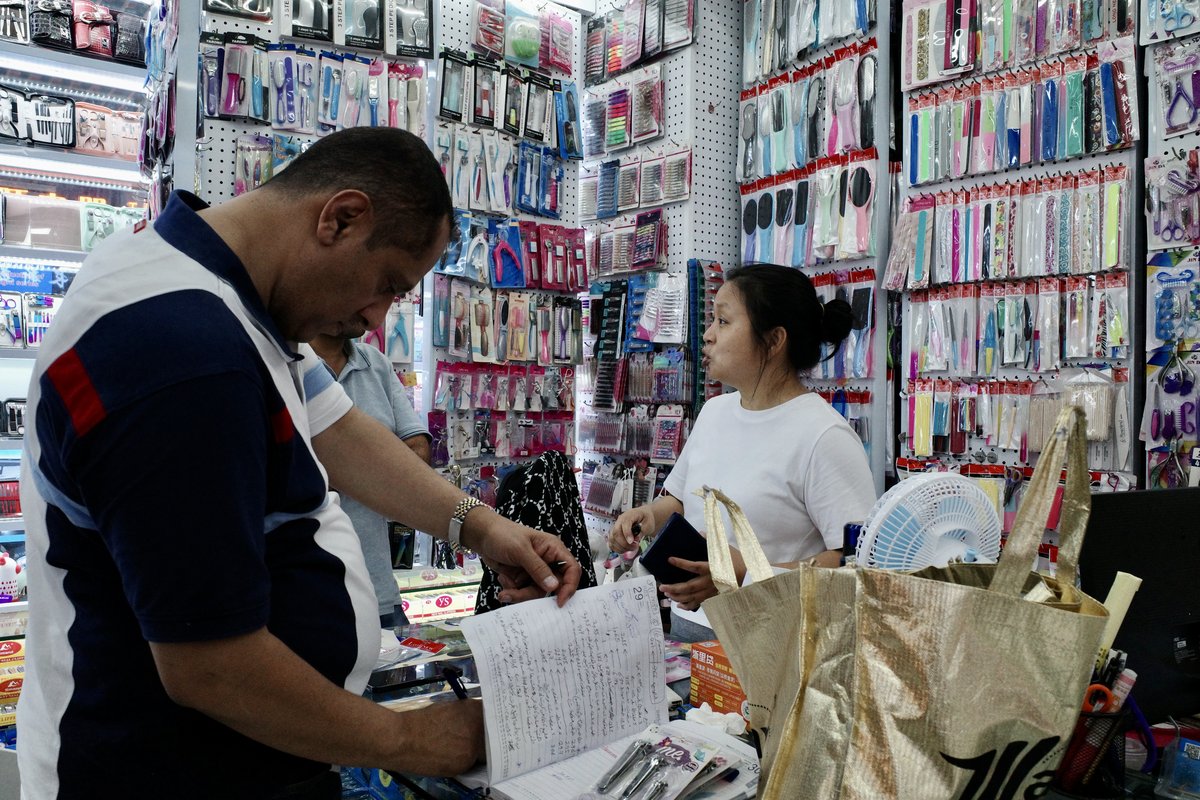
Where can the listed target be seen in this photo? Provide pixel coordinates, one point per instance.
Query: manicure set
(493, 97)
(500, 326)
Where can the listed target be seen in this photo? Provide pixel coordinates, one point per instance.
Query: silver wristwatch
(454, 535)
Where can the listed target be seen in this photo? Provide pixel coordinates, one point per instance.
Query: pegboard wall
(712, 108)
(216, 158)
(700, 112)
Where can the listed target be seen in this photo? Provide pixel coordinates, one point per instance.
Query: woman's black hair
(782, 297)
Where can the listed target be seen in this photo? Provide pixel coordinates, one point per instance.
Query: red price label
(443, 601)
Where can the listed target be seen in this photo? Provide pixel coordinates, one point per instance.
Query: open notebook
(565, 690)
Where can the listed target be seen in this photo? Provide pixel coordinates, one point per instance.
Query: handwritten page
(559, 681)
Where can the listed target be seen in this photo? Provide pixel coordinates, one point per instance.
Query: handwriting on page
(558, 681)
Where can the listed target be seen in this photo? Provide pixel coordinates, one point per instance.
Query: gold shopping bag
(943, 684)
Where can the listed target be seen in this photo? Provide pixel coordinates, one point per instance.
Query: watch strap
(458, 517)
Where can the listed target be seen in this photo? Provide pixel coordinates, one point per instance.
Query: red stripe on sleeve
(77, 391)
(281, 426)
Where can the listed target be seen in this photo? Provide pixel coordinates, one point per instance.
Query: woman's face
(732, 354)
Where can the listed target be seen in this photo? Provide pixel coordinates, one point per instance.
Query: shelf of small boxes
(13, 619)
(428, 594)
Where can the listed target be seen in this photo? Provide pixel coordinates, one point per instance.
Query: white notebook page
(559, 681)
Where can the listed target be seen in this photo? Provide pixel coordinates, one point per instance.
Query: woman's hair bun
(836, 321)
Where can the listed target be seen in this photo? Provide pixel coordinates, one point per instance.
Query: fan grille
(930, 520)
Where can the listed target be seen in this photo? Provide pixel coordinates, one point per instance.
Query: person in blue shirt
(369, 379)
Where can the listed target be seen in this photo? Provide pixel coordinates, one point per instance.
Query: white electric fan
(930, 520)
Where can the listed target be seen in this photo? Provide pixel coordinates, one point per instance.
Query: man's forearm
(286, 704)
(366, 461)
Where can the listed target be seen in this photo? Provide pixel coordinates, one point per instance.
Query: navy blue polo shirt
(171, 494)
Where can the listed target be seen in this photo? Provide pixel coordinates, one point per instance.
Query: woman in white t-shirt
(792, 463)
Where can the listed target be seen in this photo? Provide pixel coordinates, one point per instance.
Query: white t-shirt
(798, 470)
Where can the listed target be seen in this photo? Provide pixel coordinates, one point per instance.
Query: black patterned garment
(543, 495)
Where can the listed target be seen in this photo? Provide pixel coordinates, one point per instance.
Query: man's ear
(346, 214)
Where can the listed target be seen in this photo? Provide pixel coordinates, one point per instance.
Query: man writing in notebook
(202, 622)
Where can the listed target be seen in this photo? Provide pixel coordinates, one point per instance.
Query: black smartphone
(676, 538)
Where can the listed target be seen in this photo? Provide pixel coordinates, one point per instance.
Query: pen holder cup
(1094, 764)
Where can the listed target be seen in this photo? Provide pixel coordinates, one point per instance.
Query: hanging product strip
(1058, 224)
(624, 112)
(821, 109)
(822, 213)
(777, 32)
(639, 180)
(505, 411)
(1169, 421)
(1081, 105)
(944, 39)
(635, 32)
(945, 417)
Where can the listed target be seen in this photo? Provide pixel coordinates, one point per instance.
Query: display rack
(1002, 462)
(1167, 312)
(700, 110)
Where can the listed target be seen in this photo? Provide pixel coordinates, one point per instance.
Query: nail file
(1076, 117)
(1050, 239)
(919, 267)
(1007, 35)
(915, 149)
(985, 255)
(1121, 102)
(957, 120)
(1112, 225)
(1112, 133)
(1065, 216)
(955, 247)
(970, 264)
(909, 49)
(925, 170)
(1093, 128)
(1025, 93)
(987, 133)
(1049, 115)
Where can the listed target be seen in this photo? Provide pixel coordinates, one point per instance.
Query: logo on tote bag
(995, 778)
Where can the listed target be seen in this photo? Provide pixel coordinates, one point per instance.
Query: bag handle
(720, 562)
(1068, 441)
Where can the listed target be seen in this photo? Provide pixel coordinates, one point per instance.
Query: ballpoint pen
(453, 676)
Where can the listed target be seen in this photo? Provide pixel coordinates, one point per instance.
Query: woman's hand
(629, 529)
(692, 593)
